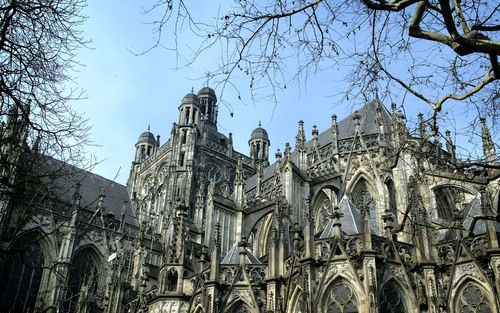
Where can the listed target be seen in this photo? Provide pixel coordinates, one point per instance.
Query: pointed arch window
(323, 206)
(83, 274)
(240, 308)
(172, 278)
(363, 200)
(473, 299)
(391, 299)
(341, 299)
(21, 277)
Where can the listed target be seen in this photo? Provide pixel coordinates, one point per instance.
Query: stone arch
(323, 201)
(239, 306)
(361, 174)
(460, 185)
(199, 309)
(161, 171)
(172, 280)
(24, 272)
(265, 234)
(147, 182)
(448, 197)
(340, 296)
(293, 305)
(97, 245)
(393, 298)
(472, 296)
(47, 242)
(85, 270)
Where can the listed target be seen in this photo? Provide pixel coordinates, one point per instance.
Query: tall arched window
(323, 206)
(391, 299)
(172, 278)
(473, 299)
(341, 299)
(363, 200)
(84, 271)
(450, 199)
(21, 277)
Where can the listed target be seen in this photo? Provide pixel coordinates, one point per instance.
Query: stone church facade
(362, 217)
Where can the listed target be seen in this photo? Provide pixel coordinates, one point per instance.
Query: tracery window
(323, 206)
(21, 277)
(83, 271)
(472, 299)
(342, 299)
(450, 199)
(391, 299)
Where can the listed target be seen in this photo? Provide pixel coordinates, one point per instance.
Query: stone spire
(215, 257)
(488, 145)
(300, 148)
(421, 126)
(450, 147)
(437, 142)
(259, 146)
(300, 138)
(398, 130)
(239, 184)
(335, 133)
(315, 144)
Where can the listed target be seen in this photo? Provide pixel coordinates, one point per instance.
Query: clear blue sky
(126, 93)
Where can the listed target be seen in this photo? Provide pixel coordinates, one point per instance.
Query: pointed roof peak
(233, 255)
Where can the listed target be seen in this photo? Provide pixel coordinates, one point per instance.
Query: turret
(259, 146)
(189, 110)
(300, 148)
(145, 146)
(208, 105)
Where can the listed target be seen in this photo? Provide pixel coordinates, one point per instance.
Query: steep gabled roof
(351, 220)
(233, 256)
(62, 180)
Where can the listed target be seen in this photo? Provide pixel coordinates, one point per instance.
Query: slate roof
(351, 220)
(147, 137)
(345, 129)
(473, 209)
(233, 256)
(62, 179)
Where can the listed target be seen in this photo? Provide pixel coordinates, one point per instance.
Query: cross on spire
(208, 78)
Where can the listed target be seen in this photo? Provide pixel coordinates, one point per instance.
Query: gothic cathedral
(365, 216)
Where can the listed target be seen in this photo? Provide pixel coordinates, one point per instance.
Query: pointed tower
(489, 151)
(300, 148)
(259, 146)
(189, 109)
(208, 105)
(145, 146)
